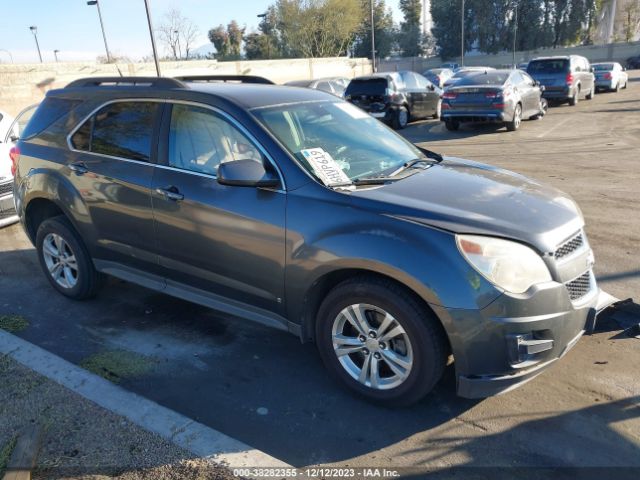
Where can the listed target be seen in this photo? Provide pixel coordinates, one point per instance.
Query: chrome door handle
(170, 193)
(78, 168)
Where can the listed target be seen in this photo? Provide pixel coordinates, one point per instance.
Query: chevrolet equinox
(298, 210)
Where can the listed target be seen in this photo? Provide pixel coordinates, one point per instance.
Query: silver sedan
(610, 76)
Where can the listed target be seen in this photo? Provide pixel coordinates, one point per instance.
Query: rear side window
(372, 86)
(548, 66)
(50, 110)
(122, 129)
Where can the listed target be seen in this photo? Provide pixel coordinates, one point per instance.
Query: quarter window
(200, 140)
(122, 129)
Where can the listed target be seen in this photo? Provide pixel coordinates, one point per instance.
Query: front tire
(65, 260)
(379, 341)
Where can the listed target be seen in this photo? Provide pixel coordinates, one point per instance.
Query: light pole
(462, 15)
(34, 30)
(104, 36)
(515, 33)
(179, 53)
(55, 54)
(153, 38)
(373, 41)
(264, 18)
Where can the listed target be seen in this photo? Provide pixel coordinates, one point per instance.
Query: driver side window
(200, 140)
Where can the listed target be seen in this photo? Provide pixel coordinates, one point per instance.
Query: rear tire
(65, 260)
(514, 124)
(400, 119)
(438, 111)
(573, 101)
(617, 89)
(418, 343)
(589, 96)
(452, 125)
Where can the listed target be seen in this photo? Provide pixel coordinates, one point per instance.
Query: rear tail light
(493, 95)
(607, 76)
(449, 95)
(14, 154)
(569, 79)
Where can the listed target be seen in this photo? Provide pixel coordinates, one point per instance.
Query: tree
(220, 39)
(631, 21)
(446, 27)
(177, 33)
(317, 28)
(384, 30)
(410, 36)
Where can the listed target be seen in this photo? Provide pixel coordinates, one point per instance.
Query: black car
(633, 62)
(395, 97)
(498, 96)
(295, 209)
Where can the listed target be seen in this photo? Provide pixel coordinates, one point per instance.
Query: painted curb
(198, 439)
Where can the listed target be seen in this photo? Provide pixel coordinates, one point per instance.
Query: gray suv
(295, 209)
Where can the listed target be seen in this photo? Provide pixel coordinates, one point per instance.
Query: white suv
(10, 129)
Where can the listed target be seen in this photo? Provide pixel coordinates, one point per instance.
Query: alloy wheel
(372, 346)
(60, 260)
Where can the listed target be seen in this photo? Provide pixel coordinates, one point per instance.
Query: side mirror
(246, 173)
(14, 138)
(431, 87)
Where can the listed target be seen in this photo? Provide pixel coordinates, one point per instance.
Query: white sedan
(610, 76)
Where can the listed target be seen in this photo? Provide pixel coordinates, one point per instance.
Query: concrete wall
(617, 52)
(22, 85)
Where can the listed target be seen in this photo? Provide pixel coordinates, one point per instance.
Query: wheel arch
(325, 283)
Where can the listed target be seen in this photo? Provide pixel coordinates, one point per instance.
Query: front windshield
(357, 144)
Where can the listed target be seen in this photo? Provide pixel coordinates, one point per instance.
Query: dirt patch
(13, 323)
(117, 365)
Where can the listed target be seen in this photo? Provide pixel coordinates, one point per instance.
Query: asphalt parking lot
(266, 389)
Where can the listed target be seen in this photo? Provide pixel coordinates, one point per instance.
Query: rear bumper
(8, 213)
(557, 93)
(517, 337)
(608, 84)
(480, 116)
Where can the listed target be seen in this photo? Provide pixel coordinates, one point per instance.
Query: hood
(462, 196)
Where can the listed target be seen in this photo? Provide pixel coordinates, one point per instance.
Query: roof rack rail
(225, 79)
(157, 82)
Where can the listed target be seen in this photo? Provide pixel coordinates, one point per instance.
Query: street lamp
(55, 54)
(264, 17)
(177, 34)
(515, 34)
(462, 15)
(153, 38)
(34, 30)
(373, 40)
(104, 36)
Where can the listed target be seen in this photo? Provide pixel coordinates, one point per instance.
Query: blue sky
(72, 26)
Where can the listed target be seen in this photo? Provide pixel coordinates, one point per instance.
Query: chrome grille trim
(580, 286)
(6, 189)
(574, 244)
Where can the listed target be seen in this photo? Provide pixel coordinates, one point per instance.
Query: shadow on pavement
(253, 383)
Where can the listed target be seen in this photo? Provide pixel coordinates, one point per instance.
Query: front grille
(580, 286)
(569, 246)
(6, 188)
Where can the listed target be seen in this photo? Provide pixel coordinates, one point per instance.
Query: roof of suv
(245, 95)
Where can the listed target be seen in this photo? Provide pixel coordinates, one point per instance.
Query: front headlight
(508, 265)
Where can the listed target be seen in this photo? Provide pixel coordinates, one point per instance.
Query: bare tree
(178, 34)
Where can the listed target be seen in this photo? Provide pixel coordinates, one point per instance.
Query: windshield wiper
(366, 181)
(432, 157)
(430, 154)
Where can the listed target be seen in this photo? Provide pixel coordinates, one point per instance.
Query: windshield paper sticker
(325, 167)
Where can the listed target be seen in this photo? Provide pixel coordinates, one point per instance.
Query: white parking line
(543, 134)
(190, 435)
